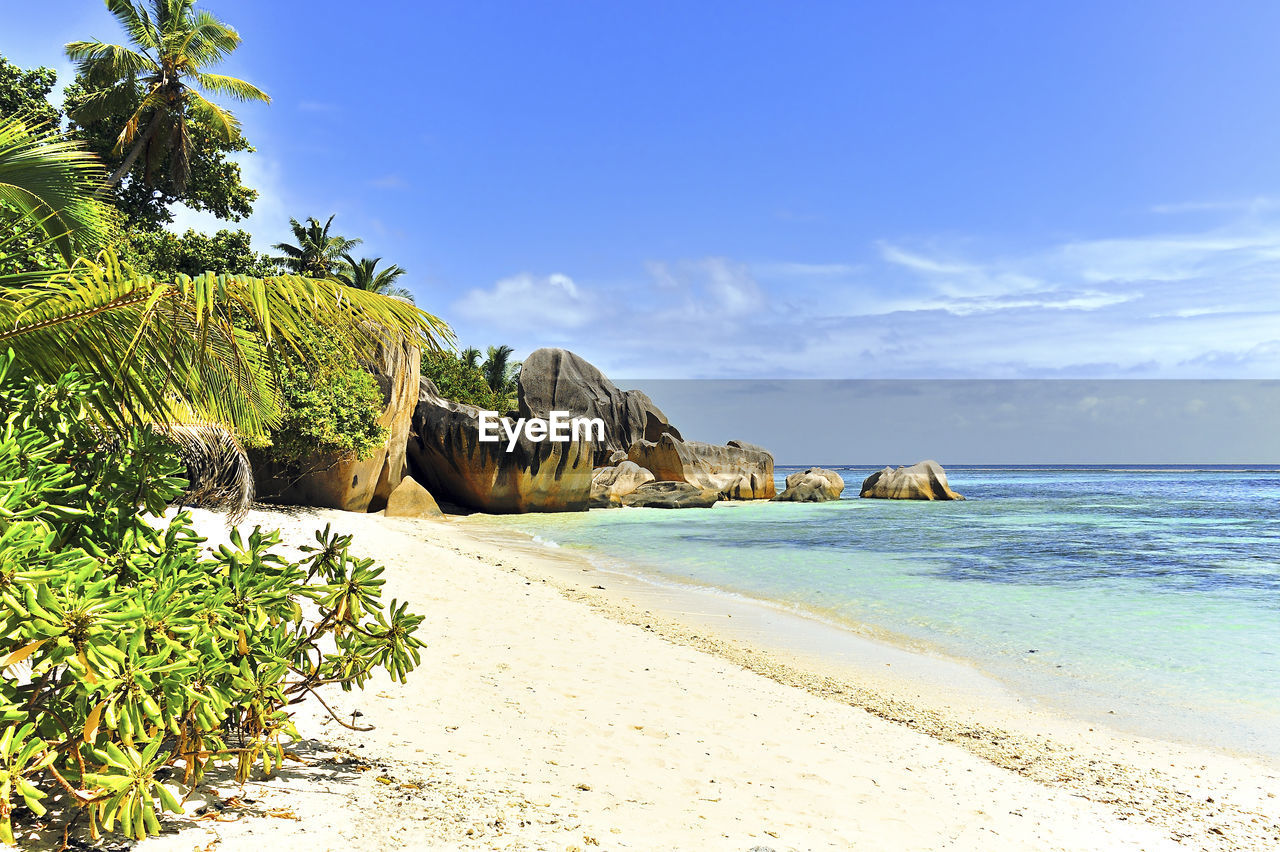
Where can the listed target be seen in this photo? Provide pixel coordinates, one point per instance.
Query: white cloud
(789, 269)
(964, 278)
(662, 275)
(1088, 300)
(710, 289)
(527, 301)
(732, 286)
(1198, 304)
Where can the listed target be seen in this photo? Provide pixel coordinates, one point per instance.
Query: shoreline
(533, 679)
(971, 708)
(824, 642)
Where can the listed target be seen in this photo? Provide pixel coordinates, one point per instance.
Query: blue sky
(781, 190)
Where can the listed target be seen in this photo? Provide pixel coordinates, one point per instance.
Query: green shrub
(461, 382)
(331, 405)
(139, 650)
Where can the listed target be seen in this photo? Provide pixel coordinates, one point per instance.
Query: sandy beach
(559, 709)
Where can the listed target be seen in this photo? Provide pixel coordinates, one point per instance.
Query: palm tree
(192, 352)
(500, 371)
(160, 77)
(317, 251)
(362, 274)
(470, 357)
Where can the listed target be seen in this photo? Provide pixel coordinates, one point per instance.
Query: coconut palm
(191, 352)
(470, 357)
(500, 371)
(363, 274)
(160, 77)
(317, 251)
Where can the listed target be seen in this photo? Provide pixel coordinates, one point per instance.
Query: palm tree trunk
(132, 156)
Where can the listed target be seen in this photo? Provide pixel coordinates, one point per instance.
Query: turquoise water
(1146, 598)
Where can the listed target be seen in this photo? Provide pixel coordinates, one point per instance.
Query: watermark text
(558, 426)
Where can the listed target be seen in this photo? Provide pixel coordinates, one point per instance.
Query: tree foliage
(317, 252)
(167, 255)
(180, 350)
(363, 274)
(331, 405)
(26, 93)
(127, 648)
(463, 378)
(194, 345)
(215, 183)
(47, 186)
(158, 82)
(500, 373)
(458, 381)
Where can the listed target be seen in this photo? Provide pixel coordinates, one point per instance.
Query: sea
(1141, 595)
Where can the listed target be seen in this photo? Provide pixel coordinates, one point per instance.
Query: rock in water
(924, 480)
(736, 471)
(356, 485)
(815, 485)
(670, 495)
(411, 500)
(558, 380)
(610, 484)
(446, 454)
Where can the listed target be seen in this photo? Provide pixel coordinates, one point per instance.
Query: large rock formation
(446, 454)
(356, 485)
(559, 380)
(411, 500)
(610, 484)
(736, 471)
(924, 480)
(815, 485)
(670, 495)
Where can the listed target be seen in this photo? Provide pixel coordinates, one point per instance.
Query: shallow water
(1149, 599)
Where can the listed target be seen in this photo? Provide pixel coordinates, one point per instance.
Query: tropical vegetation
(363, 274)
(317, 252)
(135, 366)
(490, 384)
(127, 648)
(158, 83)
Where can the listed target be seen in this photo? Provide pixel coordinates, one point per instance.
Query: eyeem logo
(558, 427)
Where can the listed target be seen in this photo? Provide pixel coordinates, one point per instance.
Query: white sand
(541, 721)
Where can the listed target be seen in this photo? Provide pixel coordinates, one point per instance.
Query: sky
(759, 190)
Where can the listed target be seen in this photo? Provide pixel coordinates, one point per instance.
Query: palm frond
(218, 467)
(180, 147)
(208, 41)
(215, 116)
(136, 22)
(149, 104)
(104, 62)
(165, 348)
(51, 181)
(232, 87)
(108, 101)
